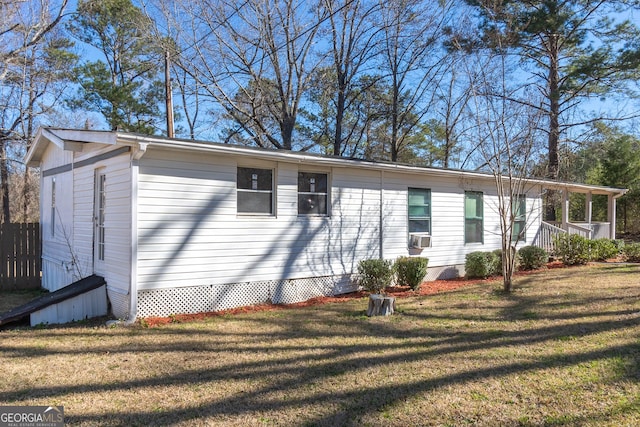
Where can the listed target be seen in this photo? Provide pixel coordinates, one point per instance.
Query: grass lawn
(9, 300)
(562, 349)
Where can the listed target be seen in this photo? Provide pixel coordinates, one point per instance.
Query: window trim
(409, 218)
(272, 192)
(466, 193)
(521, 201)
(100, 212)
(327, 194)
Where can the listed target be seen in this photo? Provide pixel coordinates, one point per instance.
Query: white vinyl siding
(189, 232)
(117, 222)
(68, 256)
(55, 250)
(57, 231)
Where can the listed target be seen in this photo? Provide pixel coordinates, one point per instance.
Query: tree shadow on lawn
(353, 403)
(333, 361)
(578, 301)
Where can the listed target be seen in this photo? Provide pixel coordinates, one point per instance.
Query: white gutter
(295, 157)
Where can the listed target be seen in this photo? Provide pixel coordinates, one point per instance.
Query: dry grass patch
(10, 300)
(562, 349)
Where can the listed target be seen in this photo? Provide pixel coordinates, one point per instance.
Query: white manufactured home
(179, 226)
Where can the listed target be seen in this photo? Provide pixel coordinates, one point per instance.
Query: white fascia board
(84, 136)
(41, 140)
(336, 162)
(65, 139)
(292, 157)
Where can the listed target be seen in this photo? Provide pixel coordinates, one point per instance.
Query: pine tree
(125, 86)
(575, 48)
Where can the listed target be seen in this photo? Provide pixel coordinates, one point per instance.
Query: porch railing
(546, 236)
(579, 229)
(548, 232)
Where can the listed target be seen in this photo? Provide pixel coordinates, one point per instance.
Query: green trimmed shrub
(603, 249)
(375, 274)
(632, 252)
(572, 249)
(532, 258)
(497, 268)
(480, 264)
(410, 271)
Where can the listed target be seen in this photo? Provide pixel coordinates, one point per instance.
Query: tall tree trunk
(26, 187)
(395, 113)
(4, 181)
(288, 124)
(26, 190)
(553, 168)
(448, 147)
(340, 106)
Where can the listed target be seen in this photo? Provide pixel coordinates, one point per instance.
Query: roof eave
(74, 139)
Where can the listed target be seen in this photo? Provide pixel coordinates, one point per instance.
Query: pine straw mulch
(426, 288)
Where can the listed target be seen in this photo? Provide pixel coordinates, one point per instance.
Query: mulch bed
(427, 288)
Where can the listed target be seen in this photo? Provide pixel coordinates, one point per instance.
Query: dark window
(255, 191)
(312, 193)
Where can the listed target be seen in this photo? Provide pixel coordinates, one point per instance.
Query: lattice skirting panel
(197, 299)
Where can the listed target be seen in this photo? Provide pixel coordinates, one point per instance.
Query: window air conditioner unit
(420, 240)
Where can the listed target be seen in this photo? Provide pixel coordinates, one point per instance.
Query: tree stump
(381, 305)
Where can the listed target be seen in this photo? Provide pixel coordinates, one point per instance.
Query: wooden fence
(20, 264)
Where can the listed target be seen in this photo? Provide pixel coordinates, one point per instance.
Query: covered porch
(575, 204)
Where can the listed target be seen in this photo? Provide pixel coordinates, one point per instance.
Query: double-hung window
(255, 191)
(419, 210)
(473, 217)
(313, 193)
(519, 212)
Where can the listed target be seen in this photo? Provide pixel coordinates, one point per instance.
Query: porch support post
(588, 206)
(611, 214)
(565, 209)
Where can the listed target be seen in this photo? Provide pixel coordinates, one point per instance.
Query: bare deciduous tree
(31, 59)
(254, 58)
(352, 36)
(507, 131)
(411, 61)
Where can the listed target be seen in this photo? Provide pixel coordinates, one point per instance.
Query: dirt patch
(426, 288)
